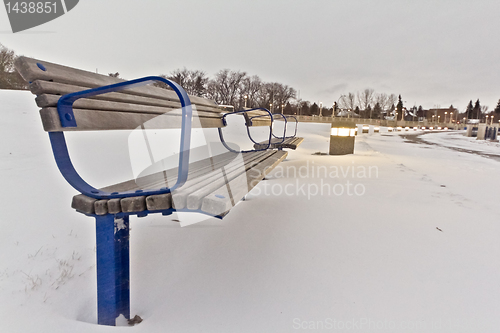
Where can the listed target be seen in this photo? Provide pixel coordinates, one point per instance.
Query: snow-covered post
(342, 137)
(468, 129)
(481, 132)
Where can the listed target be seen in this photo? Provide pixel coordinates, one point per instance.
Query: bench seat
(213, 187)
(289, 143)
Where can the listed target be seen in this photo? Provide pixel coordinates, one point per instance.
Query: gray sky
(438, 52)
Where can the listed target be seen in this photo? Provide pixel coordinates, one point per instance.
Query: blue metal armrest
(66, 115)
(284, 128)
(296, 125)
(248, 130)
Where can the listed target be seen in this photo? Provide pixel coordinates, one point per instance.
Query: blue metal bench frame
(60, 149)
(112, 230)
(221, 136)
(285, 128)
(296, 125)
(284, 137)
(285, 118)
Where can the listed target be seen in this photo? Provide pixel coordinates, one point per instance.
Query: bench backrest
(126, 109)
(257, 118)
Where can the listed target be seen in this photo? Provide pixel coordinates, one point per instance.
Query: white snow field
(404, 238)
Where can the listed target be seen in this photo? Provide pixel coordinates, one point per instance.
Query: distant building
(441, 115)
(347, 114)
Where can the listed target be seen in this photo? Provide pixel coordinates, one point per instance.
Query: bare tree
(250, 88)
(348, 101)
(283, 94)
(198, 83)
(365, 98)
(391, 100)
(231, 87)
(213, 91)
(383, 100)
(193, 81)
(226, 86)
(275, 94)
(265, 96)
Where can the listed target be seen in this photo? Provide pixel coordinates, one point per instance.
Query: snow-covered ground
(457, 140)
(399, 237)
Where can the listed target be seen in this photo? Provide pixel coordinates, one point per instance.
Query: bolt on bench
(77, 100)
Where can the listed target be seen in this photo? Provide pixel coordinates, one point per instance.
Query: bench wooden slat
(194, 199)
(41, 88)
(168, 178)
(165, 201)
(264, 120)
(182, 197)
(139, 203)
(290, 143)
(44, 101)
(31, 72)
(91, 120)
(47, 100)
(133, 204)
(260, 122)
(222, 200)
(297, 142)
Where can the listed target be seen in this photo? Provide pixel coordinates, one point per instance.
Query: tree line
(236, 88)
(367, 104)
(478, 111)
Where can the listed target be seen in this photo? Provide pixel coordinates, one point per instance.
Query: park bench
(277, 141)
(76, 100)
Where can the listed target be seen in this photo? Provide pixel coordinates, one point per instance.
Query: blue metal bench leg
(122, 255)
(113, 269)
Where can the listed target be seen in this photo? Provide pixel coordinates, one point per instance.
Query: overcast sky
(437, 52)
